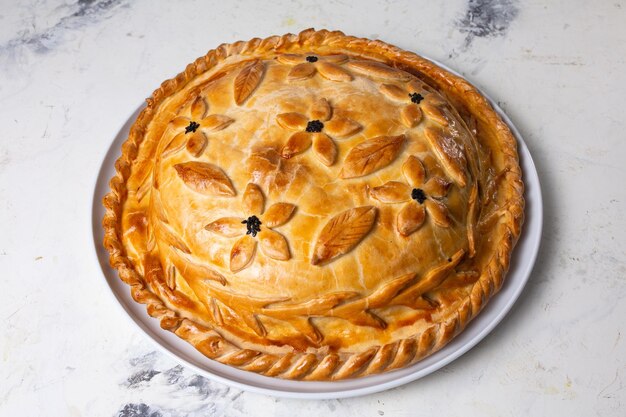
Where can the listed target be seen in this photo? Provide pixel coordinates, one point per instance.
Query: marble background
(71, 72)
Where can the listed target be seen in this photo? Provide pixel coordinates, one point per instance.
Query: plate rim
(530, 177)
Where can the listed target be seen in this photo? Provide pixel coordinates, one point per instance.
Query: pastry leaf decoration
(242, 253)
(248, 80)
(449, 153)
(165, 234)
(197, 143)
(342, 233)
(371, 155)
(205, 178)
(170, 277)
(253, 322)
(378, 70)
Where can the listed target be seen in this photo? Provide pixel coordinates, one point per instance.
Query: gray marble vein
(184, 393)
(486, 19)
(74, 17)
(138, 410)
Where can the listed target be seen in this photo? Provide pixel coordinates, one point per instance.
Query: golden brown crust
(493, 201)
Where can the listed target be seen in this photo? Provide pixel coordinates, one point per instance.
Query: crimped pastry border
(331, 366)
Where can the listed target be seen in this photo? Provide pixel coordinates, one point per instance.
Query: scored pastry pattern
(420, 192)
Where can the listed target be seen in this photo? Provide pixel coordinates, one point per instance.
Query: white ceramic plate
(522, 263)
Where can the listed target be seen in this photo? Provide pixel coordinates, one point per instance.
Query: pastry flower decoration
(306, 66)
(419, 197)
(411, 113)
(258, 225)
(313, 130)
(192, 131)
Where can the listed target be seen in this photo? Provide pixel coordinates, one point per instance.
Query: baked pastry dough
(315, 206)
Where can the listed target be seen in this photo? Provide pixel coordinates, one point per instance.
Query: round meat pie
(315, 206)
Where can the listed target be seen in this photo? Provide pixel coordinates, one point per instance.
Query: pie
(315, 206)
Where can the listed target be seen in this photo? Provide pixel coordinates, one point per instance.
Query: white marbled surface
(72, 72)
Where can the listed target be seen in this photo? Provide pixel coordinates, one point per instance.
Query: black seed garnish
(311, 58)
(193, 126)
(416, 97)
(418, 195)
(314, 126)
(449, 259)
(253, 224)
